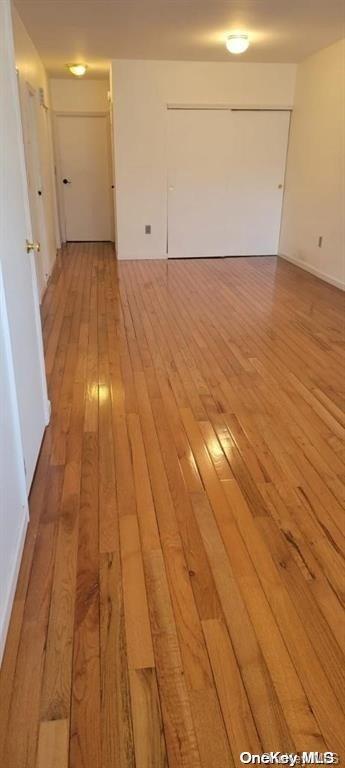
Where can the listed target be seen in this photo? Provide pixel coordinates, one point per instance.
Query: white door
(85, 176)
(18, 267)
(256, 176)
(198, 183)
(225, 182)
(35, 188)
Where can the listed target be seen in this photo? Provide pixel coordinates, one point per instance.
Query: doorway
(225, 181)
(84, 176)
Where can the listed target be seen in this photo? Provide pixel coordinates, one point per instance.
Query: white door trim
(58, 173)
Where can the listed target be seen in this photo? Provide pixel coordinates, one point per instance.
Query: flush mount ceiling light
(237, 43)
(77, 69)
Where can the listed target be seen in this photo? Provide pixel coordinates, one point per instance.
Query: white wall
(31, 71)
(14, 512)
(72, 95)
(314, 201)
(140, 92)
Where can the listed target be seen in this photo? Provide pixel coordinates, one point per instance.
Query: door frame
(58, 166)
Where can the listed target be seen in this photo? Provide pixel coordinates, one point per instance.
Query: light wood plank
(147, 722)
(138, 632)
(53, 744)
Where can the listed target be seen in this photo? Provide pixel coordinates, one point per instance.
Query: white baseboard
(12, 585)
(140, 257)
(314, 271)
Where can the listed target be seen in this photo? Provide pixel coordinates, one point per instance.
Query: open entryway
(84, 176)
(226, 172)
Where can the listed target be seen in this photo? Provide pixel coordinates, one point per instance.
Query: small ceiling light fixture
(77, 69)
(237, 43)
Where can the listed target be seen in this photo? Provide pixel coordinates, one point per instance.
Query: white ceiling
(97, 31)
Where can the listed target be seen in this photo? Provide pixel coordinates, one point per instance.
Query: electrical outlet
(320, 241)
(147, 229)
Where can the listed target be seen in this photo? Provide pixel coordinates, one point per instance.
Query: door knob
(280, 186)
(66, 181)
(31, 246)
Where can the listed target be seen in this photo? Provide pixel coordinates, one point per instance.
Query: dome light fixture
(77, 69)
(237, 43)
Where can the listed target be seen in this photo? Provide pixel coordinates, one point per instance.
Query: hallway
(179, 599)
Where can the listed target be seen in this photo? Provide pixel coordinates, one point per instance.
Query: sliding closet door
(225, 182)
(256, 181)
(198, 183)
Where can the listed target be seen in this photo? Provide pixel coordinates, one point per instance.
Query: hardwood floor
(180, 594)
